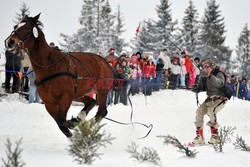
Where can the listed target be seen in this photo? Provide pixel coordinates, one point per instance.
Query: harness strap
(39, 83)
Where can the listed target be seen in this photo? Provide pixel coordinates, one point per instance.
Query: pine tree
(84, 39)
(106, 27)
(118, 42)
(190, 29)
(23, 12)
(243, 52)
(165, 27)
(88, 31)
(213, 35)
(84, 145)
(13, 156)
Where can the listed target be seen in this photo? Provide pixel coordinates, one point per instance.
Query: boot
(215, 138)
(199, 138)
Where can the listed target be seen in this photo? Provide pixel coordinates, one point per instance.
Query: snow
(169, 111)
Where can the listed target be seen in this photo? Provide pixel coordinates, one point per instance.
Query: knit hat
(150, 57)
(208, 63)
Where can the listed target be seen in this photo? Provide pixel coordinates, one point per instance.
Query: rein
(150, 126)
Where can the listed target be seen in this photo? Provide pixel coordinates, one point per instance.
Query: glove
(203, 73)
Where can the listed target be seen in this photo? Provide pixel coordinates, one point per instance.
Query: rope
(150, 126)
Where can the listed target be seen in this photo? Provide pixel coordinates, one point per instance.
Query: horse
(62, 78)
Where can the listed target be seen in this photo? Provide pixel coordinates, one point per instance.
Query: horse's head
(24, 34)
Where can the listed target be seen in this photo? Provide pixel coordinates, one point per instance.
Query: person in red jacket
(149, 69)
(189, 67)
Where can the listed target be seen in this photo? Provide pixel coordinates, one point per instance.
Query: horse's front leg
(81, 117)
(102, 109)
(59, 114)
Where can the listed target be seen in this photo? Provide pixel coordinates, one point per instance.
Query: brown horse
(62, 77)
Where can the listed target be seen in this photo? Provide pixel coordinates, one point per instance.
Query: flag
(138, 28)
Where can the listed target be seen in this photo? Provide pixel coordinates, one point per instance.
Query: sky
(61, 16)
(44, 145)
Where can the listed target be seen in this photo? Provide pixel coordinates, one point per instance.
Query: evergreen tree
(84, 145)
(165, 27)
(23, 12)
(87, 20)
(213, 35)
(190, 29)
(106, 27)
(118, 42)
(243, 52)
(84, 39)
(13, 155)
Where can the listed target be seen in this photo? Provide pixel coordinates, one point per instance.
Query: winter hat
(111, 49)
(134, 56)
(208, 63)
(150, 57)
(123, 52)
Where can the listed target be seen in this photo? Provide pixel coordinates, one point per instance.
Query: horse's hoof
(69, 134)
(71, 124)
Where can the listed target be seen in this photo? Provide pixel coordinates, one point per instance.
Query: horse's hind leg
(81, 117)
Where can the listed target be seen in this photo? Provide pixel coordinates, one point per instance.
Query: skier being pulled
(212, 81)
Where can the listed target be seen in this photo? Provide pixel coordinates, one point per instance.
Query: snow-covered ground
(169, 111)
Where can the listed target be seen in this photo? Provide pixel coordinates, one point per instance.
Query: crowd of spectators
(153, 71)
(142, 73)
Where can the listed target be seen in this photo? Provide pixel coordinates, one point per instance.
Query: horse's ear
(37, 17)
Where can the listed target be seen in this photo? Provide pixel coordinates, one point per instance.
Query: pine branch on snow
(225, 133)
(13, 156)
(182, 148)
(84, 145)
(241, 144)
(147, 154)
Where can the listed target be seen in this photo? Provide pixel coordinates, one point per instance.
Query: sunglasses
(206, 66)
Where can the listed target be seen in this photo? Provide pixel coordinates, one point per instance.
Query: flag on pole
(138, 28)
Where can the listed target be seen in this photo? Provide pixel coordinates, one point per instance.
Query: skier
(212, 81)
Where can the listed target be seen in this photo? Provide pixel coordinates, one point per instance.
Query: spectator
(159, 71)
(136, 74)
(124, 72)
(12, 67)
(248, 90)
(190, 71)
(183, 73)
(33, 93)
(25, 66)
(175, 73)
(149, 75)
(197, 65)
(243, 89)
(111, 57)
(167, 62)
(100, 54)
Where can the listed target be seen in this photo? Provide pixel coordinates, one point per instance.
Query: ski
(191, 144)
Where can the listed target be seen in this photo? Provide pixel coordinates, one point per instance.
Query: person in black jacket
(159, 71)
(12, 67)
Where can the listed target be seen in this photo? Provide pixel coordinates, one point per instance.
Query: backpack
(225, 89)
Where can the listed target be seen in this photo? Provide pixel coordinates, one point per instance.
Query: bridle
(23, 39)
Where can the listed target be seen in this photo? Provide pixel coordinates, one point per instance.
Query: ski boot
(199, 139)
(215, 138)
